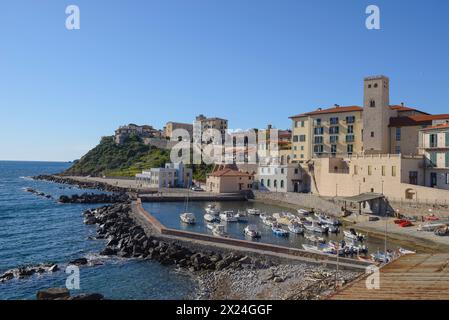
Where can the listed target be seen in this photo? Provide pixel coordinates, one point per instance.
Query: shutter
(433, 159)
(447, 139)
(447, 158)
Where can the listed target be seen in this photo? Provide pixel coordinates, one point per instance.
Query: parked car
(196, 188)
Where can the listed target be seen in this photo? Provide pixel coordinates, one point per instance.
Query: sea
(36, 230)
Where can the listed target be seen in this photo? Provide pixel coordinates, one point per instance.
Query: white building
(174, 175)
(282, 178)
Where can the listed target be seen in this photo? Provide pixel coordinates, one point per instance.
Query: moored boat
(219, 230)
(241, 216)
(405, 251)
(251, 231)
(311, 248)
(296, 228)
(188, 218)
(279, 231)
(228, 216)
(210, 217)
(253, 211)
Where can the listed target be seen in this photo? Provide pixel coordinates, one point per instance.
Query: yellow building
(337, 130)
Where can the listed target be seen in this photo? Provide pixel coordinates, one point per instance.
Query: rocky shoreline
(94, 198)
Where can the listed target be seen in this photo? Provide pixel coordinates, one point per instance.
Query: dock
(414, 276)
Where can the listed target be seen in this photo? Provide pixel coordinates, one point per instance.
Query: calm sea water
(168, 213)
(36, 230)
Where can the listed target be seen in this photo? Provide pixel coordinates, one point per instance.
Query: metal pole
(336, 273)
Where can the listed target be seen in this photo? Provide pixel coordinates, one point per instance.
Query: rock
(53, 293)
(278, 279)
(79, 262)
(108, 252)
(91, 296)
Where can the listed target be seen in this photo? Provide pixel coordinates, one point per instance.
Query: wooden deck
(417, 276)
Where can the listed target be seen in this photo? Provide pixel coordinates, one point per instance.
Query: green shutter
(447, 159)
(433, 159)
(447, 139)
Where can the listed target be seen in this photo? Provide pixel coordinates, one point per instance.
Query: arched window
(282, 184)
(372, 104)
(275, 183)
(268, 182)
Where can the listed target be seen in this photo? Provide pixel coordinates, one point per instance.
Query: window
(433, 159)
(383, 171)
(282, 170)
(318, 131)
(334, 130)
(333, 139)
(302, 124)
(282, 184)
(349, 138)
(333, 149)
(334, 120)
(372, 104)
(318, 139)
(302, 156)
(413, 177)
(261, 182)
(318, 149)
(350, 119)
(296, 170)
(372, 134)
(349, 148)
(268, 183)
(317, 122)
(447, 178)
(275, 183)
(397, 149)
(398, 134)
(302, 148)
(375, 85)
(302, 138)
(370, 170)
(433, 140)
(351, 129)
(393, 171)
(356, 169)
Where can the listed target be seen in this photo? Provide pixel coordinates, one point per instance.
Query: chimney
(402, 104)
(336, 105)
(319, 109)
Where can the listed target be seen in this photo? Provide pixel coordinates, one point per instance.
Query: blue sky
(253, 62)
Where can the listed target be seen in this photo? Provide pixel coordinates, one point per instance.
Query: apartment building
(170, 127)
(434, 145)
(173, 175)
(145, 131)
(203, 123)
(282, 178)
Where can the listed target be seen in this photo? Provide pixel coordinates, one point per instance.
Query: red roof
(330, 110)
(419, 120)
(438, 126)
(229, 173)
(405, 108)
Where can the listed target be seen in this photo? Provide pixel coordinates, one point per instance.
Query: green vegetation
(200, 171)
(126, 160)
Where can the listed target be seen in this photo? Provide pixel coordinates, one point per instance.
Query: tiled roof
(229, 173)
(419, 120)
(330, 110)
(438, 126)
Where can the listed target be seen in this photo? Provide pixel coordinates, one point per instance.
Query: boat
(252, 231)
(228, 216)
(303, 212)
(314, 227)
(442, 231)
(353, 235)
(431, 226)
(219, 231)
(295, 228)
(211, 226)
(323, 219)
(381, 257)
(210, 217)
(314, 238)
(211, 209)
(241, 216)
(405, 251)
(311, 248)
(253, 211)
(333, 229)
(279, 231)
(269, 221)
(188, 218)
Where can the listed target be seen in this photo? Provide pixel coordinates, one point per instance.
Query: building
(434, 145)
(375, 128)
(228, 180)
(143, 132)
(170, 127)
(171, 176)
(203, 123)
(282, 178)
(335, 130)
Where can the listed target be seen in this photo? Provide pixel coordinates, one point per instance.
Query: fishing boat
(279, 231)
(252, 232)
(253, 211)
(211, 209)
(241, 216)
(295, 228)
(314, 227)
(210, 217)
(323, 219)
(219, 231)
(353, 235)
(228, 216)
(188, 218)
(303, 212)
(405, 251)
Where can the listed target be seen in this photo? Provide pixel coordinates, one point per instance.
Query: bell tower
(376, 115)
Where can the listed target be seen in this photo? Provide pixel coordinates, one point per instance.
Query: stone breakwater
(92, 198)
(38, 193)
(83, 184)
(126, 239)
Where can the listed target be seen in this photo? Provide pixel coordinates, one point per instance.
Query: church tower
(376, 115)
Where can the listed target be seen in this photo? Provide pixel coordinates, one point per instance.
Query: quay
(152, 226)
(414, 276)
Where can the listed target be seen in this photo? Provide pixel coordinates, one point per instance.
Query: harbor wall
(150, 224)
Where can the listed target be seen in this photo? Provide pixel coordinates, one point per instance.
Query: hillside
(127, 159)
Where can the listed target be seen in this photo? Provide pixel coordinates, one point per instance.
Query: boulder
(79, 262)
(53, 293)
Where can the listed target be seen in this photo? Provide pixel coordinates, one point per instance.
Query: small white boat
(241, 216)
(431, 226)
(381, 257)
(253, 211)
(303, 212)
(211, 226)
(314, 238)
(323, 219)
(353, 235)
(314, 227)
(279, 231)
(228, 216)
(333, 229)
(219, 231)
(251, 231)
(269, 221)
(188, 218)
(405, 251)
(210, 217)
(212, 211)
(296, 228)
